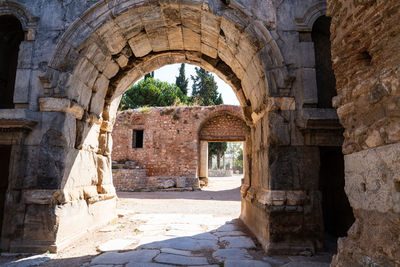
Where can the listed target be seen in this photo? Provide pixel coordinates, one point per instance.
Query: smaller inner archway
(326, 82)
(222, 127)
(11, 36)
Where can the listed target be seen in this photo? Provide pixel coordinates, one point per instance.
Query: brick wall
(171, 136)
(366, 60)
(223, 127)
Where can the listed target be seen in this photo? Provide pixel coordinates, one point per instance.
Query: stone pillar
(63, 189)
(203, 168)
(281, 202)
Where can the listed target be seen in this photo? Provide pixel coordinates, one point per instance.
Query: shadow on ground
(222, 195)
(228, 245)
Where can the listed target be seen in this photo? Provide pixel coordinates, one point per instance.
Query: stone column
(203, 168)
(281, 200)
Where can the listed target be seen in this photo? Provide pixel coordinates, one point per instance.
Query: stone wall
(78, 57)
(366, 56)
(171, 139)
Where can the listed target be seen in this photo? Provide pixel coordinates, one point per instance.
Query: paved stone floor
(197, 228)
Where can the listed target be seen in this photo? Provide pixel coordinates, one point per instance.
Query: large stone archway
(103, 52)
(78, 57)
(111, 45)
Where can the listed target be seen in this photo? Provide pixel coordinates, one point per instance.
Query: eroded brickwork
(171, 138)
(366, 56)
(223, 127)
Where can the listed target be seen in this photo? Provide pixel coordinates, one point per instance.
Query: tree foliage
(149, 75)
(239, 159)
(205, 89)
(217, 149)
(153, 93)
(181, 81)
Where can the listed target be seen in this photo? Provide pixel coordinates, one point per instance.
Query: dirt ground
(220, 198)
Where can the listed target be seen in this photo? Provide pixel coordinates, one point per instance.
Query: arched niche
(326, 82)
(21, 57)
(11, 36)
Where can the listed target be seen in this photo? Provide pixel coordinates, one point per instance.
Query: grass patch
(144, 110)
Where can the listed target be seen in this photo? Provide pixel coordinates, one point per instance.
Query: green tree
(205, 93)
(149, 75)
(181, 80)
(152, 92)
(216, 149)
(239, 160)
(205, 89)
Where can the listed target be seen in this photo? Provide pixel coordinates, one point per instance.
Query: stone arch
(113, 44)
(304, 24)
(108, 36)
(326, 83)
(212, 127)
(224, 124)
(28, 22)
(23, 70)
(11, 36)
(305, 21)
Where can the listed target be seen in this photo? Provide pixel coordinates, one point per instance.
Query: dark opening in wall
(5, 155)
(326, 82)
(337, 212)
(365, 58)
(11, 36)
(137, 139)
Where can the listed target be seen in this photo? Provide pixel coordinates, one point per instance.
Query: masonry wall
(366, 56)
(78, 57)
(171, 138)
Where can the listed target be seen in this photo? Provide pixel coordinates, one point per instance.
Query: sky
(168, 74)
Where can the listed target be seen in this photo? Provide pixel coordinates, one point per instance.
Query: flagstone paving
(199, 229)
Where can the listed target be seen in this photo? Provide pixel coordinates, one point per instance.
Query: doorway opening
(5, 155)
(337, 212)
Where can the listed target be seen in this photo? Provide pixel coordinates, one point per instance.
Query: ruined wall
(366, 56)
(171, 138)
(77, 59)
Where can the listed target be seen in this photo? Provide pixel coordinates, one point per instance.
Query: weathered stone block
(140, 45)
(61, 105)
(371, 178)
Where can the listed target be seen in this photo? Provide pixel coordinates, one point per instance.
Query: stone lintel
(211, 138)
(318, 118)
(18, 119)
(61, 105)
